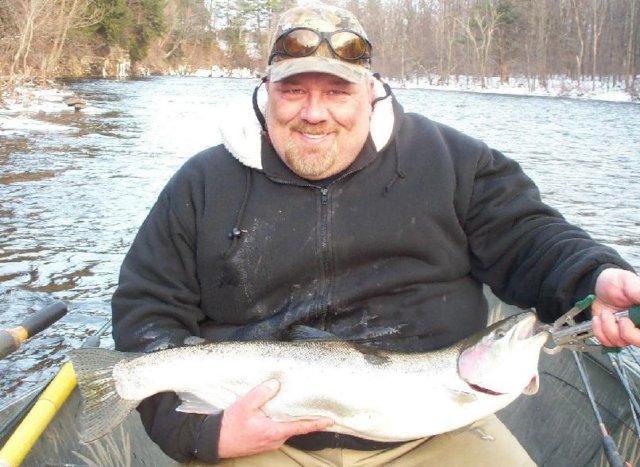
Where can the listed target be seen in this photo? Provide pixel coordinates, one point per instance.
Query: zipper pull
(325, 195)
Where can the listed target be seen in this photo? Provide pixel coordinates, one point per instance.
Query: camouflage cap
(322, 18)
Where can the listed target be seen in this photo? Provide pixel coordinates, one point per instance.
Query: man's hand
(616, 289)
(247, 430)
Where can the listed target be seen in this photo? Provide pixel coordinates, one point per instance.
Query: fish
(369, 393)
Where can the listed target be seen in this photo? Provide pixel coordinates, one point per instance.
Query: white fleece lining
(241, 133)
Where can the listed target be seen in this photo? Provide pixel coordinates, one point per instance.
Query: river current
(75, 186)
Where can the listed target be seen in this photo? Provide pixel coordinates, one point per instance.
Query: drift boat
(557, 425)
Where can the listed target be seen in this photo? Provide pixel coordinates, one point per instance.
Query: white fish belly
(384, 401)
(391, 408)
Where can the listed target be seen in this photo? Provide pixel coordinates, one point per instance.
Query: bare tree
(27, 16)
(480, 28)
(446, 33)
(578, 10)
(630, 52)
(72, 14)
(599, 10)
(537, 39)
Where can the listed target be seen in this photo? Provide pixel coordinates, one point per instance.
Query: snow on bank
(217, 72)
(586, 89)
(19, 112)
(35, 99)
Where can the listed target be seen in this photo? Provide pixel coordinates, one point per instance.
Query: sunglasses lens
(303, 42)
(300, 42)
(349, 46)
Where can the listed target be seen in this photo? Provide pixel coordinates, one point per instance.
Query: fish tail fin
(103, 408)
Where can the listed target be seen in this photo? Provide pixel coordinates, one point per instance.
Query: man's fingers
(618, 288)
(302, 427)
(629, 332)
(613, 332)
(261, 394)
(246, 429)
(611, 329)
(598, 331)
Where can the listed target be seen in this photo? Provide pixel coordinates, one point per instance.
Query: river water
(75, 186)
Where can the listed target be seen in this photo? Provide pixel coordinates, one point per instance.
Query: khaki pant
(487, 442)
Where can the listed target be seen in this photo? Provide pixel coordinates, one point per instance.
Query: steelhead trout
(378, 395)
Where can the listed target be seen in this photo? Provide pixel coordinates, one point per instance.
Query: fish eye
(500, 333)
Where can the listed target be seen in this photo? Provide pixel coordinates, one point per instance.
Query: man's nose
(314, 110)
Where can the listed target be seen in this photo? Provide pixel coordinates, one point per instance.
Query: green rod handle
(634, 314)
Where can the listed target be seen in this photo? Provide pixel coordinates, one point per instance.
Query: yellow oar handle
(36, 421)
(11, 339)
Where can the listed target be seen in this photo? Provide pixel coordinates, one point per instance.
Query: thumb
(262, 394)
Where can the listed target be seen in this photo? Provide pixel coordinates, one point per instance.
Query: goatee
(310, 161)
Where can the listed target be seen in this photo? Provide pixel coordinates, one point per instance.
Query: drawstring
(236, 232)
(387, 90)
(399, 172)
(256, 109)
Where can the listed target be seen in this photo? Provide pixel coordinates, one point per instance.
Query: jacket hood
(241, 132)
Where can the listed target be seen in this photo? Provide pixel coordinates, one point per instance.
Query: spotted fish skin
(377, 395)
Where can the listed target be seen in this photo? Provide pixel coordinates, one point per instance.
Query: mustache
(312, 128)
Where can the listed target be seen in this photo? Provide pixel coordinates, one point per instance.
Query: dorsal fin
(300, 332)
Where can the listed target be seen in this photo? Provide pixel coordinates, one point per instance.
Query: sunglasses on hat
(302, 42)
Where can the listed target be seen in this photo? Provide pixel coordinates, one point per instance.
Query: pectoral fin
(192, 403)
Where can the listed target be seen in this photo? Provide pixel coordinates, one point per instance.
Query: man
(348, 215)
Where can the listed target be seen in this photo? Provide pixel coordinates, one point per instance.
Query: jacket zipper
(322, 298)
(325, 280)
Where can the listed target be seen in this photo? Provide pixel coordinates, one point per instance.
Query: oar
(44, 409)
(11, 339)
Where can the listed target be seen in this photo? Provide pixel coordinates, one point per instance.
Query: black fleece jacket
(394, 250)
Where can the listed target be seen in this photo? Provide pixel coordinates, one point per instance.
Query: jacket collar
(243, 136)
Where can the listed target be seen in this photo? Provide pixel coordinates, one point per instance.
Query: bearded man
(335, 209)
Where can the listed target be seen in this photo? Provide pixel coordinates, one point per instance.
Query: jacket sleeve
(523, 249)
(155, 306)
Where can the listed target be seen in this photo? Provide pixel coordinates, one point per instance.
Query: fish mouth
(540, 328)
(484, 390)
(530, 327)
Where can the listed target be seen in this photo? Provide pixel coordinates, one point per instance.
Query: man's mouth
(313, 138)
(314, 135)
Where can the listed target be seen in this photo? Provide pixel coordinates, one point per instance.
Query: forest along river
(75, 186)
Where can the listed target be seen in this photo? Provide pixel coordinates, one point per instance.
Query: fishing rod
(610, 449)
(566, 334)
(618, 365)
(43, 405)
(11, 339)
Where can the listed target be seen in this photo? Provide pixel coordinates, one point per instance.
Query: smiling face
(318, 123)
